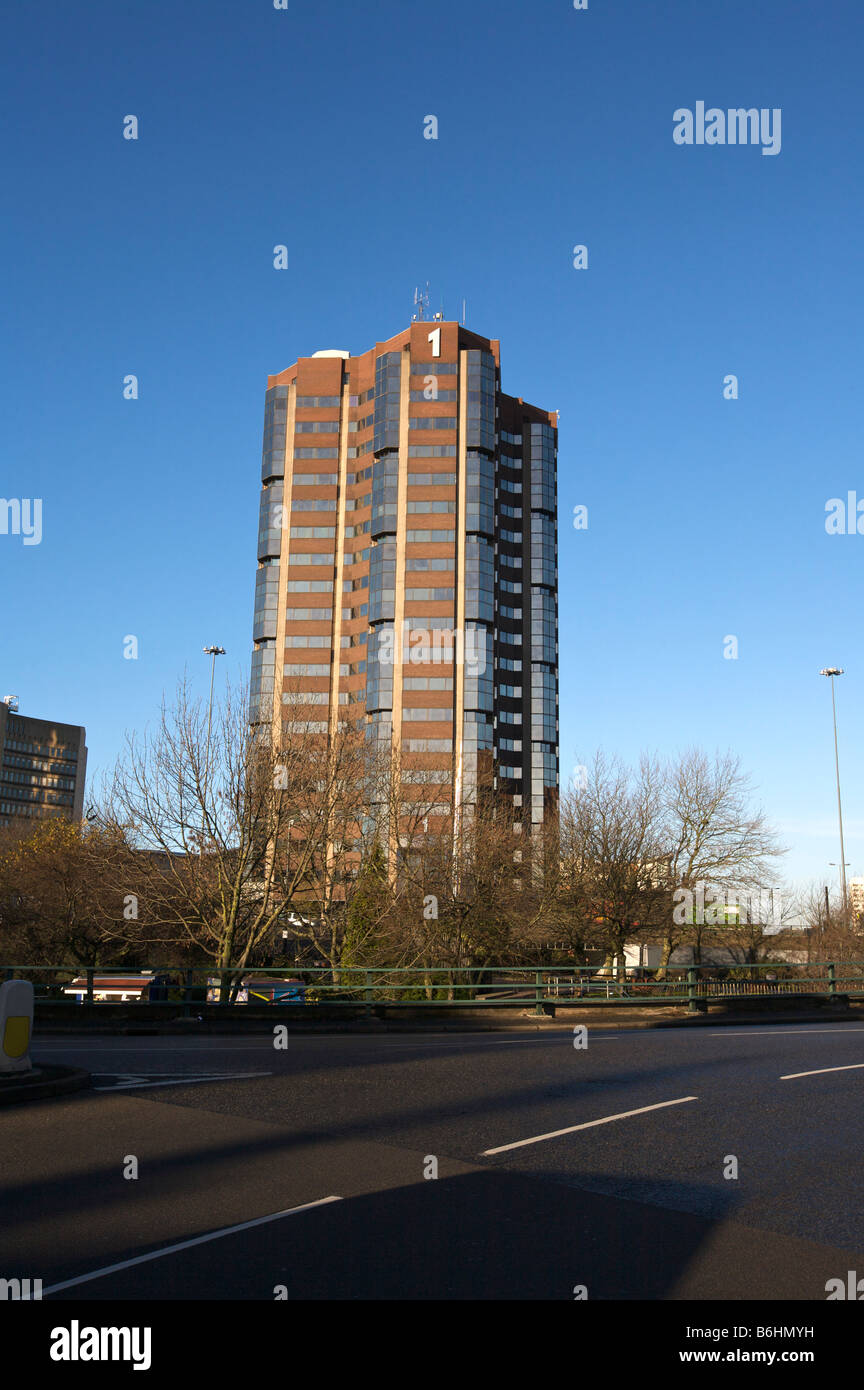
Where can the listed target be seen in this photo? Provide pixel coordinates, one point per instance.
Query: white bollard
(16, 1025)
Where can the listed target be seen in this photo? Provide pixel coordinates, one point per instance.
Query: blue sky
(305, 127)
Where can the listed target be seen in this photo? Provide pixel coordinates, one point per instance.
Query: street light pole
(212, 652)
(833, 671)
(832, 865)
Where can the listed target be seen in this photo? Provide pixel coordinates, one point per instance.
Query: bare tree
(612, 842)
(713, 837)
(831, 935)
(467, 890)
(226, 826)
(758, 928)
(331, 845)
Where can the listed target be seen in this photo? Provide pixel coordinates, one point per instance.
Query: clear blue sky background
(304, 127)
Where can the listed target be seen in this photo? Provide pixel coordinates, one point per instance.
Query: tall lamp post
(212, 652)
(833, 671)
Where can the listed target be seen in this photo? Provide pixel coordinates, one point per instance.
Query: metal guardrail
(545, 987)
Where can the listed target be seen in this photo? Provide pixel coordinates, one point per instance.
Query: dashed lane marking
(820, 1071)
(589, 1124)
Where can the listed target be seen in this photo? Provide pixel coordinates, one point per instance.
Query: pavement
(658, 1164)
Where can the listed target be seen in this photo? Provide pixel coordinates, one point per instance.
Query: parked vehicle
(262, 990)
(276, 991)
(111, 989)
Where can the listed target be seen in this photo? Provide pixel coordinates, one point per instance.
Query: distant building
(42, 766)
(856, 895)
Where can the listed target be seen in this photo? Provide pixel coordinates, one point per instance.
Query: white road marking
(266, 1043)
(776, 1032)
(98, 1045)
(185, 1245)
(820, 1071)
(589, 1124)
(138, 1084)
(483, 1042)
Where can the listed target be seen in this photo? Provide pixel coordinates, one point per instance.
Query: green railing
(191, 989)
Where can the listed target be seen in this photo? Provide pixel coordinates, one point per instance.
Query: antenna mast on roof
(421, 302)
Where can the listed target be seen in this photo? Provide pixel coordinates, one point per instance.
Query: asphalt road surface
(306, 1173)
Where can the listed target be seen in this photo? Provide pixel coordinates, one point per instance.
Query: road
(320, 1153)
